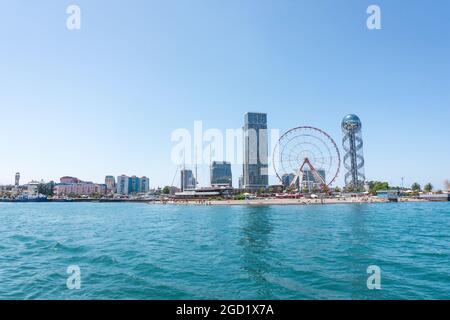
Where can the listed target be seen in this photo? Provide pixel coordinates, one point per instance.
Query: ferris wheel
(306, 158)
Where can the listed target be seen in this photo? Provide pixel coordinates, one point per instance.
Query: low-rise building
(390, 193)
(206, 193)
(436, 197)
(69, 180)
(80, 189)
(32, 188)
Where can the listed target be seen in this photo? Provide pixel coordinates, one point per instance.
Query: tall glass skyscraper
(255, 151)
(221, 173)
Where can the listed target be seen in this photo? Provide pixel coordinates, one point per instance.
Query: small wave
(438, 254)
(104, 259)
(58, 246)
(23, 238)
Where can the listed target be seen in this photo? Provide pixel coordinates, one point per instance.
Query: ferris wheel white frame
(327, 142)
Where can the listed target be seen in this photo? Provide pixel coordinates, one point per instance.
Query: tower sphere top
(351, 123)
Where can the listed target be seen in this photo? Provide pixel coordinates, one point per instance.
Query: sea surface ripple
(141, 251)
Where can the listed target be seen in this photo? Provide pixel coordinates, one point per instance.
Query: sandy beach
(302, 201)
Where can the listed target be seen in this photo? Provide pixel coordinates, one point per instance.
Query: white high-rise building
(131, 185)
(123, 184)
(144, 184)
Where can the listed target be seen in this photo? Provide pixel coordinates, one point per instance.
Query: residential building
(144, 185)
(110, 183)
(134, 184)
(128, 185)
(123, 185)
(80, 189)
(69, 180)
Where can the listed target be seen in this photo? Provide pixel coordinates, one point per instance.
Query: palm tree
(415, 187)
(428, 188)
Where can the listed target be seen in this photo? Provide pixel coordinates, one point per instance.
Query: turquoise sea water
(140, 251)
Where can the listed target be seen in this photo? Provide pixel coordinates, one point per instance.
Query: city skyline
(272, 181)
(106, 98)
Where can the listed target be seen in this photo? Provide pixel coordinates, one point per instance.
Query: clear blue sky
(105, 99)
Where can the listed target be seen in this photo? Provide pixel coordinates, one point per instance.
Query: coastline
(250, 202)
(290, 202)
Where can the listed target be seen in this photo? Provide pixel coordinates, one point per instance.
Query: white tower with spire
(17, 180)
